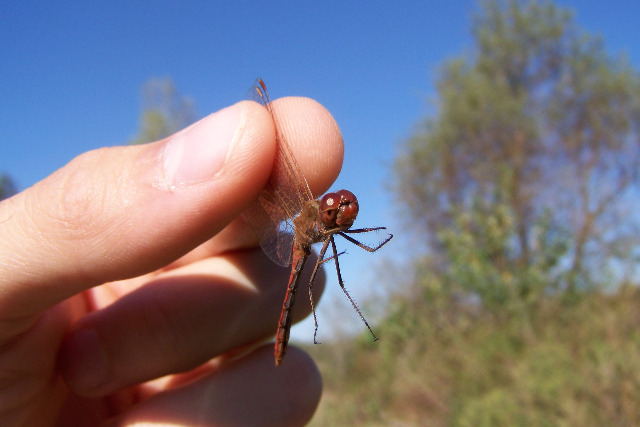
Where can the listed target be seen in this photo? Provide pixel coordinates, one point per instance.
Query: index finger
(316, 141)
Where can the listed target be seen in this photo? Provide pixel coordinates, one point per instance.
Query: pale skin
(131, 263)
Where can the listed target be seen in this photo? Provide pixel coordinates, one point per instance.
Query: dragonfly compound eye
(329, 205)
(348, 208)
(347, 196)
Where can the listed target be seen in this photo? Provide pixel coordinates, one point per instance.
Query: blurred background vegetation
(7, 186)
(164, 111)
(520, 304)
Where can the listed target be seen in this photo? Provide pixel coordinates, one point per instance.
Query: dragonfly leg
(332, 257)
(362, 245)
(353, 303)
(320, 261)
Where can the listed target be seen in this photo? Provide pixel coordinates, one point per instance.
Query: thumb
(120, 212)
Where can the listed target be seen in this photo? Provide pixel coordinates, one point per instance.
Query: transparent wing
(283, 196)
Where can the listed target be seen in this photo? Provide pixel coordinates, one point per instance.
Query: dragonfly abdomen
(284, 324)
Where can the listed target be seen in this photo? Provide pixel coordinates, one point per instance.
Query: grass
(564, 363)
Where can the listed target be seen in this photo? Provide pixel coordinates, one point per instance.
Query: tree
(165, 111)
(540, 121)
(7, 187)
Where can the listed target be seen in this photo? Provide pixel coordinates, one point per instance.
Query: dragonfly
(288, 220)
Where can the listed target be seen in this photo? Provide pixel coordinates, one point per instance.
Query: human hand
(109, 278)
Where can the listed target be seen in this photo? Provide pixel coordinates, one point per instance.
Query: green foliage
(165, 111)
(523, 310)
(484, 264)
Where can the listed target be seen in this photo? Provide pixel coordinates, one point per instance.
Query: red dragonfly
(288, 220)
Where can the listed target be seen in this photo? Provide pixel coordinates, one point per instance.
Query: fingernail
(84, 362)
(200, 151)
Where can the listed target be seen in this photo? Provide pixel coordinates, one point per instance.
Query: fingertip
(248, 391)
(300, 367)
(83, 363)
(314, 137)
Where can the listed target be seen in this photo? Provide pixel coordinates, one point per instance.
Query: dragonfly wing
(282, 198)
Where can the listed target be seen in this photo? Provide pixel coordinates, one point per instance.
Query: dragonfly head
(338, 209)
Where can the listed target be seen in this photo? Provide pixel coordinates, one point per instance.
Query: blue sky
(71, 73)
